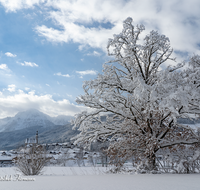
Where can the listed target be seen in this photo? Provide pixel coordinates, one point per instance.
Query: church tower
(36, 137)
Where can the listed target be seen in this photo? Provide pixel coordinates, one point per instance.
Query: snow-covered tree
(142, 97)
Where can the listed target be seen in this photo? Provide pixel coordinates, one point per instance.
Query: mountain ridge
(15, 130)
(57, 134)
(30, 118)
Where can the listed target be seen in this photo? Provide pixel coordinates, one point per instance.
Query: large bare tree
(142, 97)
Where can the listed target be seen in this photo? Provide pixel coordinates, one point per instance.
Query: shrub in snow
(141, 97)
(31, 160)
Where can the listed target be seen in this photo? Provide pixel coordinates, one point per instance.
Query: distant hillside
(59, 134)
(15, 139)
(14, 130)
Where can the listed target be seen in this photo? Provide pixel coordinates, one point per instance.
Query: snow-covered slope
(4, 121)
(31, 118)
(61, 119)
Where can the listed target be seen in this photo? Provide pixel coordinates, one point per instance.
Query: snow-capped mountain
(4, 121)
(31, 118)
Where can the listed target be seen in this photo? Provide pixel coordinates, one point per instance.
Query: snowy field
(85, 178)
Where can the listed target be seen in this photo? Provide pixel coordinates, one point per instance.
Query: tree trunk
(151, 162)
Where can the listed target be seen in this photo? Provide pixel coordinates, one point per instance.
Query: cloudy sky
(49, 47)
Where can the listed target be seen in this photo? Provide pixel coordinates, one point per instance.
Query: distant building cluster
(65, 154)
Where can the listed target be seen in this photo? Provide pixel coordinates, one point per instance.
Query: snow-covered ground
(86, 178)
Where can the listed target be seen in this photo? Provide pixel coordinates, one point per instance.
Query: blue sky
(49, 47)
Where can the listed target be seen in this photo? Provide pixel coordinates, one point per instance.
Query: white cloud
(48, 85)
(69, 95)
(8, 54)
(29, 64)
(94, 38)
(27, 89)
(59, 74)
(14, 5)
(4, 67)
(11, 88)
(87, 72)
(11, 105)
(94, 53)
(179, 20)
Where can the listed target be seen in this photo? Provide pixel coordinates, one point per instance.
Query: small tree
(141, 97)
(80, 157)
(63, 158)
(31, 160)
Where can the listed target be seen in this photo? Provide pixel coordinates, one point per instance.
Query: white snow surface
(87, 178)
